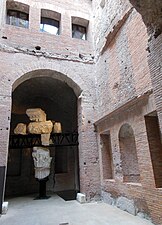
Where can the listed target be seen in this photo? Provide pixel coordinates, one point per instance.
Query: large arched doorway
(59, 101)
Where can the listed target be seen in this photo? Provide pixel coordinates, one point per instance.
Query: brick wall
(58, 53)
(106, 18)
(109, 74)
(133, 114)
(62, 45)
(151, 15)
(155, 68)
(122, 71)
(76, 75)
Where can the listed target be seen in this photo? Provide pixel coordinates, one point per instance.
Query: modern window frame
(18, 18)
(76, 27)
(50, 22)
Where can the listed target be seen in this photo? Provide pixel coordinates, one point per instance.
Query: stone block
(57, 127)
(143, 215)
(20, 129)
(40, 127)
(36, 115)
(81, 198)
(107, 198)
(45, 139)
(126, 205)
(4, 207)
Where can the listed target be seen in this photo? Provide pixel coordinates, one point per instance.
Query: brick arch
(48, 73)
(151, 14)
(28, 2)
(18, 5)
(64, 70)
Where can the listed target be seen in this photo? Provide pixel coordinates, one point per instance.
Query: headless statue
(42, 161)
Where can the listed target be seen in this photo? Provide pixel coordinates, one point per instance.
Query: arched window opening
(50, 22)
(79, 28)
(155, 145)
(128, 152)
(17, 14)
(79, 32)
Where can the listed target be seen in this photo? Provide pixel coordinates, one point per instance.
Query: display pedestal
(42, 189)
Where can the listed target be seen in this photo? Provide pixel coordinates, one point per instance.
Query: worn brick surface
(110, 74)
(151, 15)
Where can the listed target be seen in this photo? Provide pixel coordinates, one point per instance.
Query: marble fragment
(36, 115)
(20, 129)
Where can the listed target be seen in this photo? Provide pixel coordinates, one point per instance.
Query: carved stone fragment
(40, 127)
(45, 139)
(37, 115)
(20, 129)
(57, 127)
(42, 161)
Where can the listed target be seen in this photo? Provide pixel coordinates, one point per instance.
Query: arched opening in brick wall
(128, 152)
(106, 154)
(58, 99)
(155, 145)
(151, 15)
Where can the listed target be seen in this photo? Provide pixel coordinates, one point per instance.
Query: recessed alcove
(59, 102)
(129, 159)
(155, 146)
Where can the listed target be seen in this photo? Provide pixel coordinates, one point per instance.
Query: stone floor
(56, 211)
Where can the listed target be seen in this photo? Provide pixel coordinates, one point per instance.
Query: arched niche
(128, 153)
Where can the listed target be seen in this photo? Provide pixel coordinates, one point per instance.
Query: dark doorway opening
(59, 102)
(155, 145)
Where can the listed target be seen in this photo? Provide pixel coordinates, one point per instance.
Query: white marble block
(4, 207)
(81, 198)
(42, 161)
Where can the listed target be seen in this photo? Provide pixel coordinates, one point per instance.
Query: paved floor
(56, 211)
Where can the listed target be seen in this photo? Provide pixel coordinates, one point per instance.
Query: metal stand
(42, 189)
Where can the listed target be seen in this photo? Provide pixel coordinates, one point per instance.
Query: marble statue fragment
(42, 161)
(20, 129)
(45, 139)
(36, 114)
(57, 127)
(40, 127)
